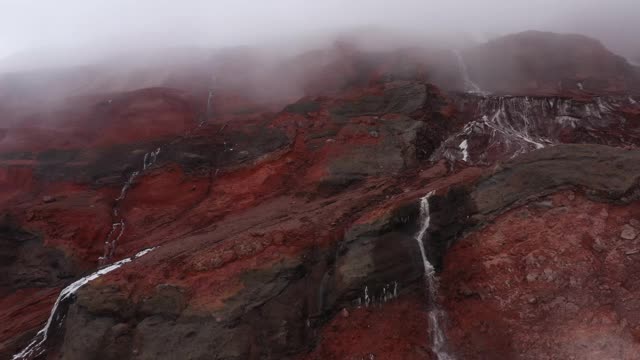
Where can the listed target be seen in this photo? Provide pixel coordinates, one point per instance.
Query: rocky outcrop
(604, 172)
(501, 127)
(541, 261)
(492, 227)
(548, 279)
(23, 267)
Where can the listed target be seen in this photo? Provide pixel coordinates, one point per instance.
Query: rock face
(545, 283)
(605, 172)
(500, 127)
(288, 231)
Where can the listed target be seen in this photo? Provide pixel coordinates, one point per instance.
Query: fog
(50, 33)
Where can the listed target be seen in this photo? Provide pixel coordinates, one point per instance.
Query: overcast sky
(27, 25)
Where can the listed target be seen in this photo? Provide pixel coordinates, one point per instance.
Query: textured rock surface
(501, 127)
(551, 283)
(608, 172)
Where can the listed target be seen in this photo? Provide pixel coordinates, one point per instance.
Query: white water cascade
(469, 85)
(118, 224)
(149, 159)
(35, 347)
(436, 315)
(464, 148)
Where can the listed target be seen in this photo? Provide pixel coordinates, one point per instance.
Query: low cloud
(54, 30)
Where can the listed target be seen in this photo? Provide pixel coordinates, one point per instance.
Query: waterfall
(438, 340)
(150, 158)
(127, 185)
(464, 148)
(469, 85)
(208, 111)
(35, 347)
(118, 224)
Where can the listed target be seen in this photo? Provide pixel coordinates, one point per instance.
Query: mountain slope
(188, 224)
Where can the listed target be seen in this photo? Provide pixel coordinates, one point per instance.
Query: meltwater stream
(118, 224)
(36, 346)
(436, 315)
(469, 85)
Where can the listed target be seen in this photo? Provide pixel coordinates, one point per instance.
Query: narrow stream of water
(436, 315)
(469, 85)
(36, 346)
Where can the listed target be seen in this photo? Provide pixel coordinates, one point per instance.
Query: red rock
(553, 244)
(398, 330)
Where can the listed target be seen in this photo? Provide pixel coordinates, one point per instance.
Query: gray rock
(606, 172)
(628, 232)
(167, 300)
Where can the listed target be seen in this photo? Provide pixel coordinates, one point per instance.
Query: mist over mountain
(327, 180)
(73, 31)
